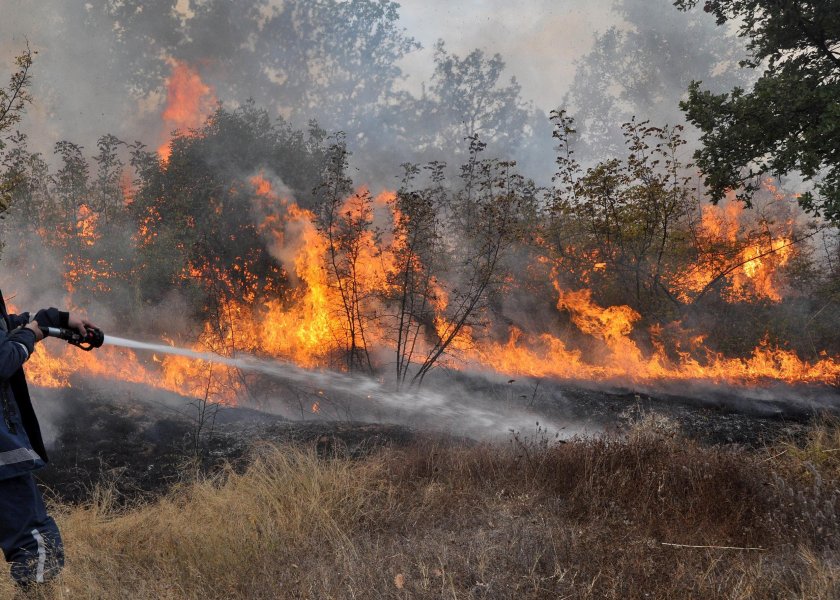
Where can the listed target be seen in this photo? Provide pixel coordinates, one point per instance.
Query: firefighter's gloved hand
(51, 317)
(80, 324)
(42, 319)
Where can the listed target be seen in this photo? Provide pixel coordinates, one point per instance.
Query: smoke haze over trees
(334, 216)
(643, 67)
(104, 67)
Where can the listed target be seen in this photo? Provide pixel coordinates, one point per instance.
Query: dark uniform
(29, 537)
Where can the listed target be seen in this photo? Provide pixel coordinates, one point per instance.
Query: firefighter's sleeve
(15, 348)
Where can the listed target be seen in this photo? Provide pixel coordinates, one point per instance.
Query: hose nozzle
(94, 338)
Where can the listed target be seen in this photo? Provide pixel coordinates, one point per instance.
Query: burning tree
(197, 208)
(417, 249)
(637, 232)
(346, 224)
(621, 248)
(485, 223)
(622, 221)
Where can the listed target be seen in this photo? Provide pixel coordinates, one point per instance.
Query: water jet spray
(425, 404)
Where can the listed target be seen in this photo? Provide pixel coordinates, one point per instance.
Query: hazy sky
(539, 39)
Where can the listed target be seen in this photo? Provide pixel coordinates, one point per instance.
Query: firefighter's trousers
(29, 537)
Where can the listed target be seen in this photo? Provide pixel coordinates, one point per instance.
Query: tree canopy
(13, 100)
(789, 121)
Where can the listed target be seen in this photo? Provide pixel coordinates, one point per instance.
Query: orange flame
(189, 101)
(305, 324)
(755, 261)
(622, 359)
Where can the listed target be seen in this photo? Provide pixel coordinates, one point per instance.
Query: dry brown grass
(585, 519)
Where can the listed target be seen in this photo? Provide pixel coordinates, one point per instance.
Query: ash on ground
(138, 444)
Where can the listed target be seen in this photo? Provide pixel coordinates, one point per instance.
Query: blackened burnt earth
(139, 445)
(709, 422)
(711, 414)
(139, 449)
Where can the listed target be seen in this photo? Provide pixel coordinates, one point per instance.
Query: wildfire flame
(305, 324)
(189, 101)
(757, 261)
(622, 358)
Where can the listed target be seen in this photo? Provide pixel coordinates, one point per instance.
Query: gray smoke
(101, 67)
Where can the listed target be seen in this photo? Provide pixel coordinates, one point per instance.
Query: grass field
(647, 515)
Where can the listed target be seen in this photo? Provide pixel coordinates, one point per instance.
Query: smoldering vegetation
(140, 442)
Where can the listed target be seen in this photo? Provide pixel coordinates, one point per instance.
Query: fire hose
(94, 337)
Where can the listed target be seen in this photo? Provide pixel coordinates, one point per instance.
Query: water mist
(446, 410)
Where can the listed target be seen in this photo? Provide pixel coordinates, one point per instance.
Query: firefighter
(29, 537)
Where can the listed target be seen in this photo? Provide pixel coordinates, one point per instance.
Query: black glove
(51, 317)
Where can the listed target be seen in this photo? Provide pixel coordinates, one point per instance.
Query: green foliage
(790, 120)
(621, 224)
(13, 101)
(72, 184)
(107, 188)
(29, 197)
(15, 97)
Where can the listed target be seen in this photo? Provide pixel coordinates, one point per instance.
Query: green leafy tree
(790, 120)
(30, 200)
(107, 188)
(13, 101)
(71, 185)
(620, 225)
